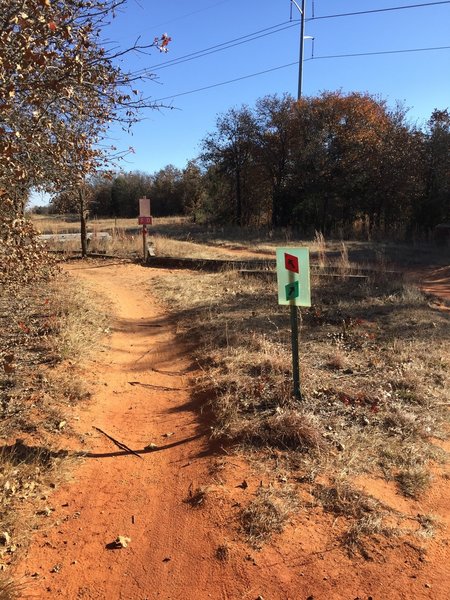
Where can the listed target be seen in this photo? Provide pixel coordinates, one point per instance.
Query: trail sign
(144, 207)
(293, 276)
(294, 289)
(144, 220)
(291, 262)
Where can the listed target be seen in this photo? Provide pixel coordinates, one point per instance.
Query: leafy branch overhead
(60, 89)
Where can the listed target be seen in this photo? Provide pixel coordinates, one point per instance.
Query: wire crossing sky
(232, 52)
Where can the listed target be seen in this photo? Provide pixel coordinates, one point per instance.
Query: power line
(214, 85)
(208, 87)
(278, 28)
(194, 12)
(225, 45)
(379, 53)
(378, 10)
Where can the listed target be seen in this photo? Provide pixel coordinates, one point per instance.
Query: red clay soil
(143, 396)
(436, 281)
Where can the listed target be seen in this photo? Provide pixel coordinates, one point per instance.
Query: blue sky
(420, 79)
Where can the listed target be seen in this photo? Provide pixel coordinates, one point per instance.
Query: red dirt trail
(436, 281)
(142, 395)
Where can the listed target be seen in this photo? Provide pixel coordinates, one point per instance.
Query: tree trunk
(83, 222)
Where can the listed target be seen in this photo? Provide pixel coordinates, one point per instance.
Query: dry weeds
(46, 331)
(197, 497)
(10, 589)
(223, 552)
(215, 241)
(375, 375)
(165, 246)
(367, 518)
(413, 482)
(268, 513)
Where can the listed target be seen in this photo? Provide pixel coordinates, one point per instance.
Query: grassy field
(375, 371)
(375, 379)
(178, 237)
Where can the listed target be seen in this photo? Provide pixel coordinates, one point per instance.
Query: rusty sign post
(144, 220)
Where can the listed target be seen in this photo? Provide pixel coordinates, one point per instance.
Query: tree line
(336, 163)
(329, 163)
(116, 195)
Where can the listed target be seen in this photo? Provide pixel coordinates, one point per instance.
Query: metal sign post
(294, 290)
(144, 241)
(295, 353)
(144, 220)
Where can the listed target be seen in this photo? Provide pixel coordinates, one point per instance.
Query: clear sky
(420, 79)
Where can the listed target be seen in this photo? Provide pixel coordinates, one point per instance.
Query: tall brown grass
(374, 375)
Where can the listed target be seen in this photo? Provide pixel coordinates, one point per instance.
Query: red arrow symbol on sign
(291, 263)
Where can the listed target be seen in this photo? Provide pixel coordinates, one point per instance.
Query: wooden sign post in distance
(144, 220)
(294, 289)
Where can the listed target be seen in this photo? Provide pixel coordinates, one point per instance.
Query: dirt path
(437, 282)
(142, 396)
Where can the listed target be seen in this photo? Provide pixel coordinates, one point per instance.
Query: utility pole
(293, 308)
(302, 10)
(302, 48)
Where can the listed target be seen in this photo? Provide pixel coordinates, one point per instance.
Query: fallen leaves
(121, 541)
(8, 366)
(151, 447)
(243, 485)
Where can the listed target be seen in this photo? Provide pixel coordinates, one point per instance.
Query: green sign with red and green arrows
(293, 276)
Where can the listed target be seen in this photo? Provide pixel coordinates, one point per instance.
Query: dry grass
(223, 552)
(81, 318)
(287, 429)
(375, 374)
(343, 500)
(47, 331)
(71, 224)
(170, 236)
(321, 249)
(413, 482)
(366, 518)
(337, 360)
(197, 497)
(218, 241)
(268, 513)
(11, 589)
(42, 326)
(165, 246)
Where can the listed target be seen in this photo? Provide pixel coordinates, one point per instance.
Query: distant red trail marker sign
(144, 207)
(144, 219)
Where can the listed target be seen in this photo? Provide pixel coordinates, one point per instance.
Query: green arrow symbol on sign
(292, 290)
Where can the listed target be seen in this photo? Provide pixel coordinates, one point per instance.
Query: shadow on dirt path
(143, 397)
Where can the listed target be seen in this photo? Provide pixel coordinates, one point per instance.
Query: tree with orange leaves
(59, 91)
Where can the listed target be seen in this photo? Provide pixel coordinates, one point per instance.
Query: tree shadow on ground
(20, 453)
